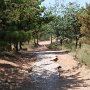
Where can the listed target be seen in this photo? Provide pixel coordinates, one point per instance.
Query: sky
(81, 2)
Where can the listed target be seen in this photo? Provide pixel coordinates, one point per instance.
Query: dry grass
(84, 54)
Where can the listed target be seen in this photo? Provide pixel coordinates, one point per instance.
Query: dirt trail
(45, 76)
(76, 75)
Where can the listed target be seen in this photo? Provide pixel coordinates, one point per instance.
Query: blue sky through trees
(51, 2)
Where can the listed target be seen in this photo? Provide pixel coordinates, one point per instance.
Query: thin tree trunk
(16, 47)
(34, 41)
(76, 42)
(51, 38)
(61, 42)
(20, 45)
(80, 44)
(37, 39)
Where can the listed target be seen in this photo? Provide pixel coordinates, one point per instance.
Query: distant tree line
(22, 20)
(71, 23)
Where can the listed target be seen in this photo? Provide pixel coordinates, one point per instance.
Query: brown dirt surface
(14, 71)
(76, 76)
(76, 73)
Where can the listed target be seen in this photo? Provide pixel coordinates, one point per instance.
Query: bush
(7, 54)
(54, 46)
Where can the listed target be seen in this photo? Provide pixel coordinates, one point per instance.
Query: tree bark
(61, 42)
(76, 42)
(51, 38)
(20, 45)
(80, 44)
(34, 41)
(37, 39)
(16, 47)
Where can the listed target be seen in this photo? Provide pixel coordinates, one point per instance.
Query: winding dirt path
(76, 76)
(45, 76)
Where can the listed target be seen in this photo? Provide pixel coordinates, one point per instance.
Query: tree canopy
(85, 21)
(18, 19)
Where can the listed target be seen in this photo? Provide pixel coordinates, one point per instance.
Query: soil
(76, 74)
(14, 72)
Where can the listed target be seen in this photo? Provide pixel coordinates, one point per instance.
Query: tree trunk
(80, 44)
(9, 48)
(76, 42)
(61, 42)
(20, 45)
(34, 41)
(37, 39)
(16, 47)
(51, 38)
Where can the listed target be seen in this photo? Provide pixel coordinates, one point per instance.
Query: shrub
(54, 46)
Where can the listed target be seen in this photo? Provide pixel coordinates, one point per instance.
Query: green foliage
(85, 20)
(17, 20)
(7, 54)
(66, 23)
(69, 23)
(54, 46)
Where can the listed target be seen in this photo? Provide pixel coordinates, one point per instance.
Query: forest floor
(15, 71)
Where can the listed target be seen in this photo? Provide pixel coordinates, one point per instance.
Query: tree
(66, 23)
(41, 21)
(72, 23)
(18, 19)
(85, 20)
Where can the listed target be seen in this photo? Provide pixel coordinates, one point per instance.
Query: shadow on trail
(53, 82)
(45, 76)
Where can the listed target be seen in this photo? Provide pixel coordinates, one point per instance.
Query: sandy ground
(4, 62)
(14, 71)
(73, 69)
(44, 42)
(75, 75)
